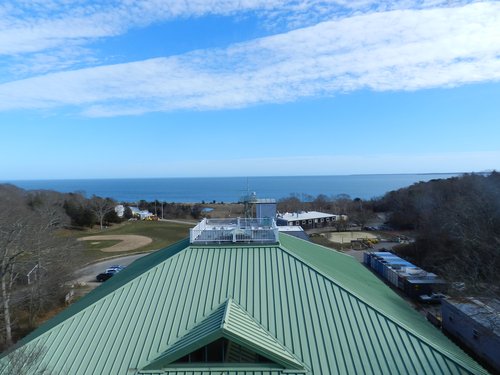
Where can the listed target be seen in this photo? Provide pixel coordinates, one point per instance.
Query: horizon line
(6, 181)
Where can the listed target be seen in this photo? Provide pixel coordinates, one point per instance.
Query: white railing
(234, 230)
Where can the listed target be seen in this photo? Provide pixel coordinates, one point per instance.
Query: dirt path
(128, 242)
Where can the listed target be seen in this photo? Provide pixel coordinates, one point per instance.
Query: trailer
(404, 275)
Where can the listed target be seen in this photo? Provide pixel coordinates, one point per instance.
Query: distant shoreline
(14, 181)
(232, 189)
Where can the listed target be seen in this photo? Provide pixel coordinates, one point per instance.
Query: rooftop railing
(219, 231)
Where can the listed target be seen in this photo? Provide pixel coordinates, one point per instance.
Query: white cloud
(45, 34)
(33, 26)
(395, 50)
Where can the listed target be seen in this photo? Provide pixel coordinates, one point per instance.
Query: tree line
(88, 212)
(36, 261)
(457, 227)
(358, 211)
(167, 210)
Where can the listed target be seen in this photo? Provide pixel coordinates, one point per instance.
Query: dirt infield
(128, 242)
(347, 237)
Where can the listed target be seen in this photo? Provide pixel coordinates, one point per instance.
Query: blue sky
(180, 88)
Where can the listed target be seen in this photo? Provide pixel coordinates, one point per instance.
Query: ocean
(232, 189)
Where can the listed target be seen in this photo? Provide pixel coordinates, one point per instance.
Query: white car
(110, 271)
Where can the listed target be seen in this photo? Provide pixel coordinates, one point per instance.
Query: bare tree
(290, 204)
(341, 203)
(46, 288)
(28, 240)
(100, 207)
(359, 213)
(13, 230)
(321, 203)
(457, 224)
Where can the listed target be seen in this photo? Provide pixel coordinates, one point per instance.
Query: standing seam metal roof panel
(327, 316)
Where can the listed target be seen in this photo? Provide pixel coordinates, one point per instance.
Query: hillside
(457, 225)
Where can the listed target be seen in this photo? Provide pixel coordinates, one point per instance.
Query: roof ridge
(388, 316)
(264, 329)
(226, 311)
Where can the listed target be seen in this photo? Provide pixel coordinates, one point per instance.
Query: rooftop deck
(219, 231)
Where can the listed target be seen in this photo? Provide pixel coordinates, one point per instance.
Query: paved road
(188, 222)
(88, 273)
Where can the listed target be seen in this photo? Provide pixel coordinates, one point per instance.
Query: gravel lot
(347, 237)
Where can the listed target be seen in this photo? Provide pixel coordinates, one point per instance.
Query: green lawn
(163, 234)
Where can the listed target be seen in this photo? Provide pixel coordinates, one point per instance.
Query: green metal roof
(230, 321)
(347, 272)
(218, 371)
(320, 307)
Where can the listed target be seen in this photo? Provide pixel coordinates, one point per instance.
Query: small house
(120, 210)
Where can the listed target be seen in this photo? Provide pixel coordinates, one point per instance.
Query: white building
(141, 214)
(308, 219)
(120, 210)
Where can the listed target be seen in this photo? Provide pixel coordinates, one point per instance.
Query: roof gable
(232, 322)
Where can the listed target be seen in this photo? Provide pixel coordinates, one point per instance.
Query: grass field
(225, 210)
(162, 234)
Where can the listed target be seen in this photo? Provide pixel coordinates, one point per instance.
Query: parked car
(432, 298)
(110, 271)
(115, 268)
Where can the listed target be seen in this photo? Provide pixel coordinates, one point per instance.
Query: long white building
(308, 219)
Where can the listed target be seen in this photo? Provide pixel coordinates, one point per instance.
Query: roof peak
(226, 322)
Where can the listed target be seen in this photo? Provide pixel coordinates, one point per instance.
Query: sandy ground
(128, 242)
(346, 237)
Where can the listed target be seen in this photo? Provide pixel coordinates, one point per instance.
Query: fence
(235, 230)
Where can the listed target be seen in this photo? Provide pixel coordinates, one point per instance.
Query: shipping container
(404, 275)
(367, 258)
(392, 276)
